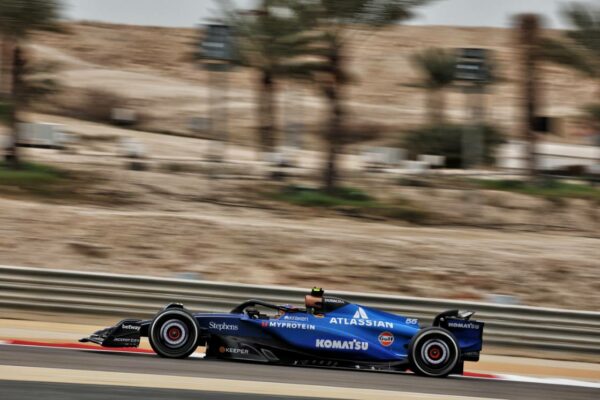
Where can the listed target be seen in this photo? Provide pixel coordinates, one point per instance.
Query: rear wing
(468, 332)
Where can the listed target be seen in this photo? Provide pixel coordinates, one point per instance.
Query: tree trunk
(334, 141)
(529, 27)
(12, 152)
(6, 60)
(334, 134)
(431, 106)
(436, 105)
(441, 106)
(267, 112)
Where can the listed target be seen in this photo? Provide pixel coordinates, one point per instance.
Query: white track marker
(550, 381)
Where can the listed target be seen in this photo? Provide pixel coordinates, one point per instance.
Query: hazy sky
(191, 12)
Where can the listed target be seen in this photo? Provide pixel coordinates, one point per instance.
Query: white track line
(550, 381)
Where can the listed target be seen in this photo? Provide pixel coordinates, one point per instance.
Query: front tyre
(174, 333)
(433, 352)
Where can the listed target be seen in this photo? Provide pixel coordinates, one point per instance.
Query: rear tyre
(174, 333)
(433, 352)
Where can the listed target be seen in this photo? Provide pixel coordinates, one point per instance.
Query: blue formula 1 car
(329, 332)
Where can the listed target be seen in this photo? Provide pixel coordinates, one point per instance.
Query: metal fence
(58, 291)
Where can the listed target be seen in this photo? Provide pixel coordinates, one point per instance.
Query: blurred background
(409, 155)
(445, 149)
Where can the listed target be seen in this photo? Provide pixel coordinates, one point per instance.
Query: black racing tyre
(433, 352)
(174, 333)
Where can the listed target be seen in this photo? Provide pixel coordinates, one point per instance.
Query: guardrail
(58, 291)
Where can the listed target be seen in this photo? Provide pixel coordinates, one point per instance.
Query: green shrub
(318, 198)
(353, 201)
(98, 104)
(30, 175)
(446, 140)
(5, 109)
(405, 212)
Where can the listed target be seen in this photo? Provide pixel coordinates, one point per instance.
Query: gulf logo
(386, 339)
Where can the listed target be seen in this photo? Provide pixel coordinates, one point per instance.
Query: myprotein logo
(222, 326)
(341, 344)
(386, 339)
(130, 327)
(463, 325)
(288, 325)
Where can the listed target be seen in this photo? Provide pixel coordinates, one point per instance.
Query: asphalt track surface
(150, 364)
(60, 391)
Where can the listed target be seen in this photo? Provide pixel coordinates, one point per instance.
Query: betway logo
(131, 327)
(360, 318)
(342, 344)
(222, 326)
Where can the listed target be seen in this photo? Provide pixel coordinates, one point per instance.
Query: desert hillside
(152, 68)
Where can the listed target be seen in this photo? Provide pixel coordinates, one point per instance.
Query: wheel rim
(174, 333)
(435, 352)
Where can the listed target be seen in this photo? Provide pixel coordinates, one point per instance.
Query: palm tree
(529, 29)
(269, 40)
(438, 67)
(580, 49)
(327, 22)
(17, 19)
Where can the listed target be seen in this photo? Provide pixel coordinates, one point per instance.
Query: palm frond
(567, 54)
(438, 67)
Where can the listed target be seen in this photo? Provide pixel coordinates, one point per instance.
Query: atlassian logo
(463, 325)
(222, 326)
(360, 318)
(288, 325)
(360, 314)
(341, 344)
(386, 339)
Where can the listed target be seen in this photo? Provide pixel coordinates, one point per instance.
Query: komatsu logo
(360, 318)
(463, 325)
(342, 344)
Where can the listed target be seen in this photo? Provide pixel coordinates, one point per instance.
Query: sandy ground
(218, 225)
